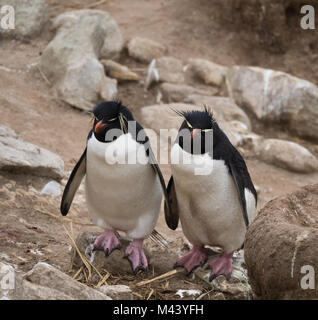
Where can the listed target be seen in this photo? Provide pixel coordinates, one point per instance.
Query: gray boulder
(21, 156)
(145, 50)
(13, 286)
(30, 18)
(36, 292)
(276, 96)
(70, 61)
(207, 71)
(170, 69)
(45, 275)
(286, 154)
(172, 92)
(43, 282)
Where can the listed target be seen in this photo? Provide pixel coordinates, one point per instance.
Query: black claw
(212, 277)
(107, 252)
(131, 265)
(176, 265)
(227, 276)
(186, 272)
(139, 268)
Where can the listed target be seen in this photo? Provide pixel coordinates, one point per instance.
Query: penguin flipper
(157, 170)
(242, 180)
(172, 212)
(73, 184)
(240, 191)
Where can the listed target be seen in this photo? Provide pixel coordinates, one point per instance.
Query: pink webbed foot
(108, 241)
(136, 256)
(195, 258)
(221, 265)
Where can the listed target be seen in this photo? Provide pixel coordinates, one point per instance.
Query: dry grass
(158, 287)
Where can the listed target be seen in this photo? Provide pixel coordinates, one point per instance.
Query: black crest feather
(201, 119)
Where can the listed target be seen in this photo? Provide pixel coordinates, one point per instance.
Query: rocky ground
(53, 71)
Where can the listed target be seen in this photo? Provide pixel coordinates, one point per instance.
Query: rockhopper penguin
(214, 205)
(120, 195)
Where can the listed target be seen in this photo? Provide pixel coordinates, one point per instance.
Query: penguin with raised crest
(121, 194)
(210, 191)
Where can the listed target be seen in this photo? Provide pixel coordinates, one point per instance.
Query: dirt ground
(29, 106)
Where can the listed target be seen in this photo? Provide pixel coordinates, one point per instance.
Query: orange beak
(194, 132)
(100, 126)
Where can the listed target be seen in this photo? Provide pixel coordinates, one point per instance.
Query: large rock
(18, 156)
(7, 132)
(101, 28)
(281, 251)
(207, 71)
(170, 69)
(43, 282)
(45, 275)
(145, 50)
(70, 61)
(36, 292)
(224, 109)
(172, 92)
(30, 18)
(13, 286)
(276, 96)
(286, 154)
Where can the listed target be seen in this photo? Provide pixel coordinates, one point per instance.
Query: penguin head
(196, 133)
(110, 115)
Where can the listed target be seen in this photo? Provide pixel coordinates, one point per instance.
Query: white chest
(209, 203)
(120, 188)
